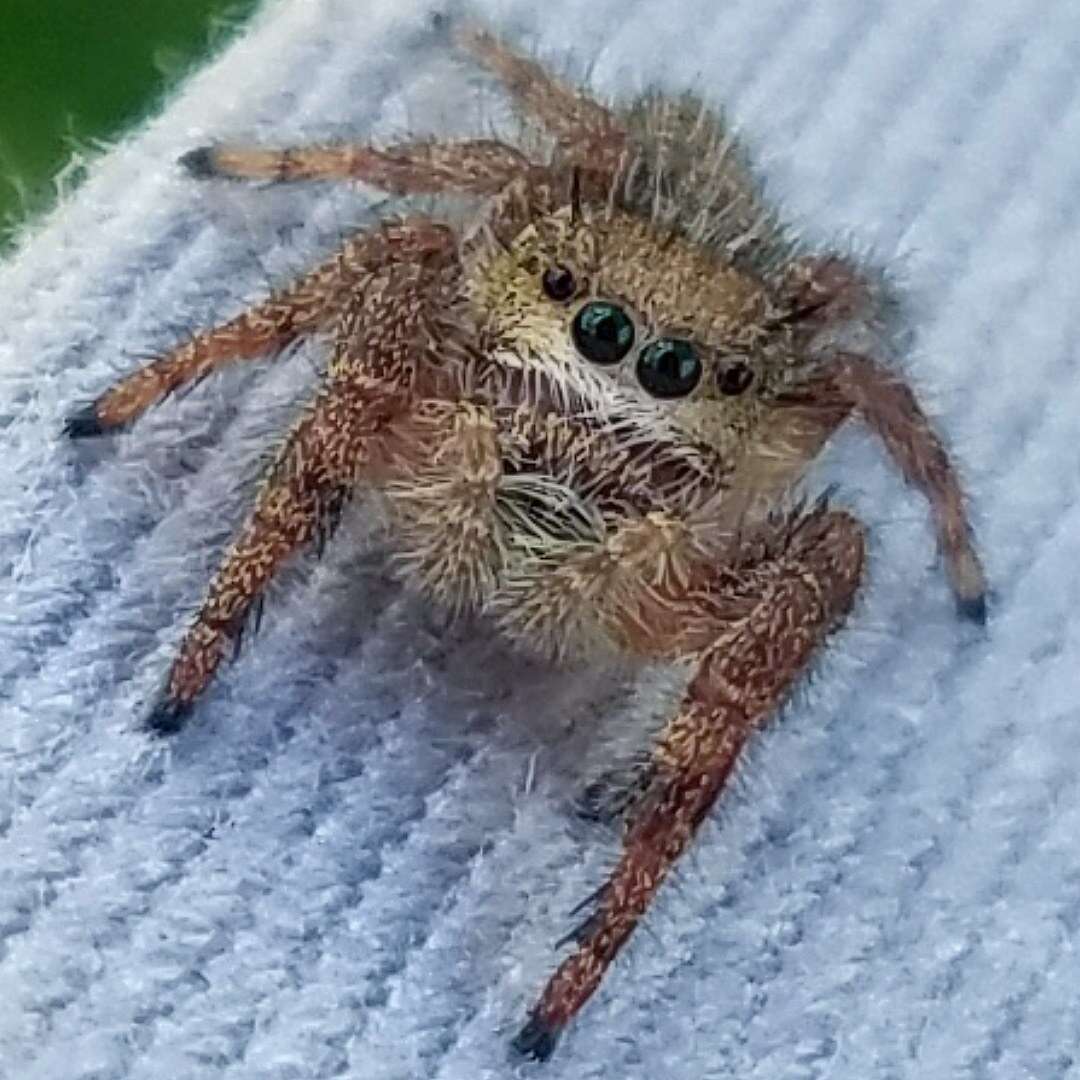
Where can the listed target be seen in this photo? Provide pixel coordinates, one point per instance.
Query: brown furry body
(587, 500)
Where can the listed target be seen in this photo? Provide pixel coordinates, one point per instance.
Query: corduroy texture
(357, 858)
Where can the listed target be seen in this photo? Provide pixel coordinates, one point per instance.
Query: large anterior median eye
(603, 332)
(669, 368)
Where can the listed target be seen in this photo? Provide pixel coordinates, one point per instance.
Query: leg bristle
(84, 424)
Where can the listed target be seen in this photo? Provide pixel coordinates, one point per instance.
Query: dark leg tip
(167, 717)
(200, 163)
(536, 1039)
(84, 424)
(972, 608)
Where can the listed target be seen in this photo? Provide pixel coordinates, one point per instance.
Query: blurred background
(73, 74)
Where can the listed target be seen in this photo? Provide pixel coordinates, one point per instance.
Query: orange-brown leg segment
(347, 435)
(308, 305)
(770, 618)
(584, 129)
(425, 167)
(889, 408)
(338, 440)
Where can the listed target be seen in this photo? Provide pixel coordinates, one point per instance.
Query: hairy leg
(349, 434)
(424, 167)
(308, 305)
(827, 291)
(584, 129)
(889, 408)
(768, 619)
(339, 440)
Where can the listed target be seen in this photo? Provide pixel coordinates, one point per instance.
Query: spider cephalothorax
(583, 409)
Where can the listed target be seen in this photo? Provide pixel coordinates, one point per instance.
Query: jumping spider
(584, 410)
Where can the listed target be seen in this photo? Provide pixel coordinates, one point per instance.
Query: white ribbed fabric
(356, 859)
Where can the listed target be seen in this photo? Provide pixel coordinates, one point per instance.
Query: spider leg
(424, 167)
(338, 441)
(828, 291)
(767, 621)
(583, 128)
(306, 306)
(355, 430)
(889, 408)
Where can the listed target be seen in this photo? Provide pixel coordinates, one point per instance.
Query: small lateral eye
(735, 378)
(669, 368)
(603, 332)
(558, 283)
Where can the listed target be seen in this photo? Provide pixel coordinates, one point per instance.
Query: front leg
(769, 619)
(585, 130)
(827, 292)
(889, 407)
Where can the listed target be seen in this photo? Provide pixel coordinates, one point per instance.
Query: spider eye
(735, 378)
(669, 368)
(603, 332)
(558, 283)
